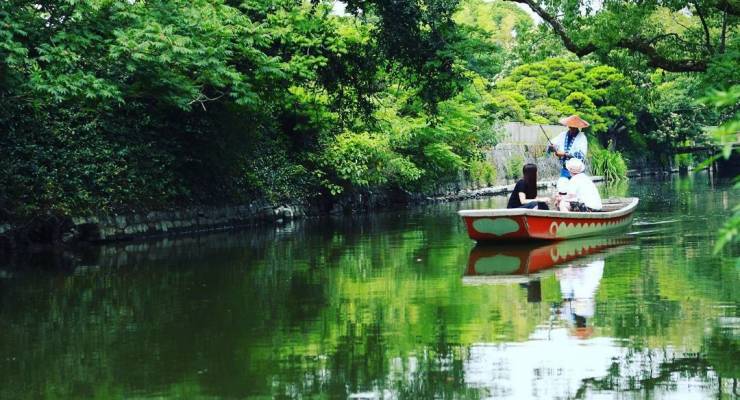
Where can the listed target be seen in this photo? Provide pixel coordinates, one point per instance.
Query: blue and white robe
(574, 146)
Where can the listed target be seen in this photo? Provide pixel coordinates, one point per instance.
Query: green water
(383, 306)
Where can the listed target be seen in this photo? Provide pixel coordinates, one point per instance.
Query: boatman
(569, 144)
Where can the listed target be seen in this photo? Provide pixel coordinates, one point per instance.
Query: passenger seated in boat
(525, 191)
(582, 194)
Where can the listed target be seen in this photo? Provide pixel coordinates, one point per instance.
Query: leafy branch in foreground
(726, 135)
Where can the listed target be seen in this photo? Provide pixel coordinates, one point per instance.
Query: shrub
(482, 172)
(366, 160)
(683, 160)
(276, 177)
(510, 106)
(608, 163)
(357, 158)
(514, 167)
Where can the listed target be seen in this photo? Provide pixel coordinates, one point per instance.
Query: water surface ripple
(397, 305)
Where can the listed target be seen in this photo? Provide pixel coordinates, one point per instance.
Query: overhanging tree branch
(580, 51)
(707, 37)
(642, 45)
(730, 6)
(639, 45)
(673, 35)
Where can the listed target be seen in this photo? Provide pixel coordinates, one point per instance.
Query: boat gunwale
(630, 205)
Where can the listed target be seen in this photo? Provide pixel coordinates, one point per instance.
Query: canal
(395, 305)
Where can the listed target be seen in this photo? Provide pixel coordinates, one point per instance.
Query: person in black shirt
(525, 191)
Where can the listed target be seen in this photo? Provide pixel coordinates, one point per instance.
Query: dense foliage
(673, 51)
(110, 105)
(726, 134)
(545, 91)
(674, 35)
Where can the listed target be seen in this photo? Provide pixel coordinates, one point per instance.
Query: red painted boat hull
(524, 224)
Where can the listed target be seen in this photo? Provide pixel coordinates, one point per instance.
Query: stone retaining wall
(135, 225)
(109, 228)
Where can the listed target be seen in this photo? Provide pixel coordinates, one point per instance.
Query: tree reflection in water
(375, 307)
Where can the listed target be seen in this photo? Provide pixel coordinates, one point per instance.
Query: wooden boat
(523, 262)
(508, 224)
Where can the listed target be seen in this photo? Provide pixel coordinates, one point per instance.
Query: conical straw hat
(574, 121)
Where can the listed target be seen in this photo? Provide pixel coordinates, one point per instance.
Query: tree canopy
(110, 105)
(676, 35)
(545, 91)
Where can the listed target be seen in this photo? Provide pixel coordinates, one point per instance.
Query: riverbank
(196, 220)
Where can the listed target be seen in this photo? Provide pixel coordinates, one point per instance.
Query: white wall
(519, 133)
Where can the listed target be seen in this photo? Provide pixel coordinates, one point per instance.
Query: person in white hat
(569, 144)
(581, 192)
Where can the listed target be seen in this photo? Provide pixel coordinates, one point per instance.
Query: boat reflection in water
(581, 262)
(562, 352)
(523, 262)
